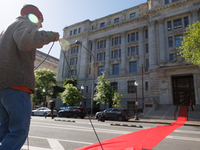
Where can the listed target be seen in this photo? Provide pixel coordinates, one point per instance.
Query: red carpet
(144, 139)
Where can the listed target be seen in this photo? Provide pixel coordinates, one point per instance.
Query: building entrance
(183, 90)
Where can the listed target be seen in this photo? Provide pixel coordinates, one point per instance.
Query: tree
(191, 44)
(70, 81)
(71, 95)
(105, 93)
(45, 80)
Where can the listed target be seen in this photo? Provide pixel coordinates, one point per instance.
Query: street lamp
(82, 88)
(136, 102)
(43, 97)
(79, 42)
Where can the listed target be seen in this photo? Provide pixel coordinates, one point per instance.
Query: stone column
(95, 56)
(162, 41)
(152, 46)
(194, 13)
(123, 53)
(79, 59)
(84, 59)
(107, 59)
(141, 48)
(61, 68)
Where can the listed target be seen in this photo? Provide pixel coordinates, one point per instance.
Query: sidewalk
(159, 121)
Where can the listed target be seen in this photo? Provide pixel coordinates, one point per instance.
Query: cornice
(167, 6)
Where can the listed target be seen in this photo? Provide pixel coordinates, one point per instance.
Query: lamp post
(82, 88)
(43, 96)
(136, 102)
(79, 42)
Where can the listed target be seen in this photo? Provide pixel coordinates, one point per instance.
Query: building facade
(51, 62)
(139, 43)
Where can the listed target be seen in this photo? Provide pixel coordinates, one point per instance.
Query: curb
(64, 120)
(126, 125)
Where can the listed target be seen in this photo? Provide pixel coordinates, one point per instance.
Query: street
(48, 134)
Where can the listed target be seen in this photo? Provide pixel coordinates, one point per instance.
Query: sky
(61, 13)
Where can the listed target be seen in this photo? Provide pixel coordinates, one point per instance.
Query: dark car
(72, 112)
(119, 114)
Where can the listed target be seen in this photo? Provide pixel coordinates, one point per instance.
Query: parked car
(72, 112)
(43, 111)
(119, 114)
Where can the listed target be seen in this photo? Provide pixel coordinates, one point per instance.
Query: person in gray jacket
(18, 43)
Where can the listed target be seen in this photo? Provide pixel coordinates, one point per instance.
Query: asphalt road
(48, 134)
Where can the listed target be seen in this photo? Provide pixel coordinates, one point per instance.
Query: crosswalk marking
(55, 145)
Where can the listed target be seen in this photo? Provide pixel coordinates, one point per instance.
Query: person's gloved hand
(53, 35)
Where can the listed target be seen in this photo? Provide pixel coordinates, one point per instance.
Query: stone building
(50, 62)
(143, 37)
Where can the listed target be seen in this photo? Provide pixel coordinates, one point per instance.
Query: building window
(116, 69)
(137, 50)
(131, 87)
(186, 22)
(171, 57)
(133, 51)
(137, 37)
(170, 40)
(133, 15)
(174, 0)
(101, 57)
(128, 38)
(100, 71)
(120, 40)
(147, 48)
(73, 72)
(166, 1)
(132, 37)
(146, 86)
(74, 50)
(116, 20)
(79, 30)
(75, 31)
(133, 67)
(178, 40)
(147, 64)
(116, 41)
(177, 24)
(104, 43)
(146, 34)
(101, 44)
(169, 26)
(114, 85)
(116, 54)
(91, 46)
(70, 33)
(73, 61)
(102, 25)
(90, 58)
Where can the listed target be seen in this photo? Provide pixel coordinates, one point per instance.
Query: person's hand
(57, 36)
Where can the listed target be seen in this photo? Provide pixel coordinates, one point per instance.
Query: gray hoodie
(18, 43)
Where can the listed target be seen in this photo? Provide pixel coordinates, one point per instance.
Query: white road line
(71, 141)
(34, 148)
(183, 138)
(55, 145)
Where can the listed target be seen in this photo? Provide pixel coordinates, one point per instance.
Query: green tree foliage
(191, 44)
(71, 95)
(45, 79)
(70, 81)
(105, 93)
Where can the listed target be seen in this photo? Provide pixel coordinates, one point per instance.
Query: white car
(43, 111)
